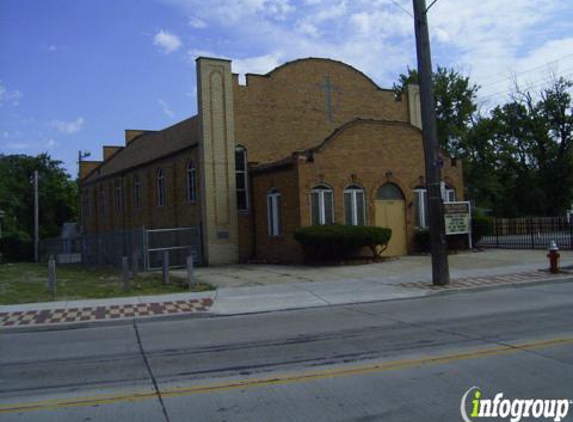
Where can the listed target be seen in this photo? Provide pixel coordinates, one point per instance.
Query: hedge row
(334, 242)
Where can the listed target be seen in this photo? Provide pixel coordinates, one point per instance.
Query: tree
(57, 195)
(534, 148)
(455, 105)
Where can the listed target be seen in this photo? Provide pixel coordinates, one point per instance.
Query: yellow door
(392, 214)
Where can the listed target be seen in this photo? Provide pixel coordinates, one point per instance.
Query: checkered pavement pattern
(473, 282)
(102, 313)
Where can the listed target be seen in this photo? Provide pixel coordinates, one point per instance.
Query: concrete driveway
(393, 271)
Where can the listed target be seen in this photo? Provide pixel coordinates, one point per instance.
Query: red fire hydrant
(553, 256)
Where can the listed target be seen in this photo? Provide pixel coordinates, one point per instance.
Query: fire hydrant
(553, 256)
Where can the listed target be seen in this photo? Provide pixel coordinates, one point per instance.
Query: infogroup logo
(514, 409)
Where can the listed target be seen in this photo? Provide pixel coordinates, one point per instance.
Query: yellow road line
(281, 379)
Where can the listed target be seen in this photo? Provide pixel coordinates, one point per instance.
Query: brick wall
(280, 248)
(177, 211)
(287, 110)
(367, 153)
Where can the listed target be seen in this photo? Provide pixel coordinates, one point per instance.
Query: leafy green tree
(533, 142)
(56, 190)
(456, 105)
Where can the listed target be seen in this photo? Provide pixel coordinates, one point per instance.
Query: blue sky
(75, 73)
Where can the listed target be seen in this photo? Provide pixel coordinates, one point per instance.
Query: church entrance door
(390, 211)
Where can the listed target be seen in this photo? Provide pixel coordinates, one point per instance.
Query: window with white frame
(136, 192)
(421, 207)
(450, 194)
(241, 178)
(191, 183)
(274, 213)
(354, 209)
(321, 205)
(160, 187)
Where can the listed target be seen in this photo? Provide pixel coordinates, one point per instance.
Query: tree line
(58, 200)
(517, 157)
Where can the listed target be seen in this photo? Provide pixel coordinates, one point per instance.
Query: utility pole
(36, 218)
(438, 243)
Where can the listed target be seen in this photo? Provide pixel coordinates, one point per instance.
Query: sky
(74, 74)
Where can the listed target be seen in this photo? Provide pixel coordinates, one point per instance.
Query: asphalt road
(402, 360)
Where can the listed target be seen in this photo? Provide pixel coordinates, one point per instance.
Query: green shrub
(422, 240)
(482, 225)
(13, 248)
(334, 242)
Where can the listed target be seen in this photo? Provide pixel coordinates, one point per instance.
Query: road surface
(401, 360)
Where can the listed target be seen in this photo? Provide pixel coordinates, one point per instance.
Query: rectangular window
(117, 197)
(274, 214)
(136, 192)
(241, 179)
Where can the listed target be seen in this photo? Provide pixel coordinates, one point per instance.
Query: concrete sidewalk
(260, 288)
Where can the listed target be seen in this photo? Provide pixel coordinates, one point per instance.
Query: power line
(529, 70)
(431, 4)
(492, 97)
(534, 84)
(403, 8)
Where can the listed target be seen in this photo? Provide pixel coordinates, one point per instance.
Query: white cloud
(165, 108)
(69, 128)
(488, 39)
(258, 64)
(167, 41)
(10, 97)
(196, 23)
(52, 48)
(50, 143)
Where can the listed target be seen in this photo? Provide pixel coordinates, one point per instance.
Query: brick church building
(314, 141)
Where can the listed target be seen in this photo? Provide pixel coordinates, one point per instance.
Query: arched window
(389, 192)
(117, 190)
(136, 192)
(321, 205)
(160, 187)
(241, 178)
(101, 200)
(191, 184)
(421, 207)
(274, 212)
(354, 208)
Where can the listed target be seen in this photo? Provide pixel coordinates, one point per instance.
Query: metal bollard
(165, 267)
(125, 273)
(190, 271)
(52, 278)
(134, 264)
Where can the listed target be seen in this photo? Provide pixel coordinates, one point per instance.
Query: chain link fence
(144, 248)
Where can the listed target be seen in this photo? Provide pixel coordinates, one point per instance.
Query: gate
(179, 242)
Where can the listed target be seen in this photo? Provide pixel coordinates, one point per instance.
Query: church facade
(314, 141)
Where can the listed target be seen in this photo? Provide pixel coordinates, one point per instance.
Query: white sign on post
(457, 218)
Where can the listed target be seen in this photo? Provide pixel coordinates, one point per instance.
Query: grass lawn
(26, 282)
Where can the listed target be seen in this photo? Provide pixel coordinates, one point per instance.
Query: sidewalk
(260, 288)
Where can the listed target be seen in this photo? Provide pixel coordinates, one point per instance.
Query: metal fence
(144, 248)
(528, 233)
(178, 242)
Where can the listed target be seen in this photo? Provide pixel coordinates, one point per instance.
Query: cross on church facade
(329, 88)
